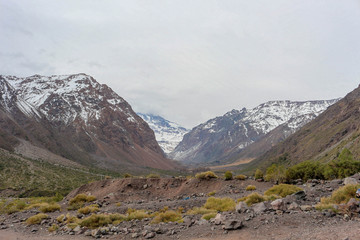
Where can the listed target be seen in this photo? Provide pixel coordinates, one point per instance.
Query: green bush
(220, 204)
(228, 175)
(341, 195)
(275, 173)
(305, 170)
(250, 188)
(282, 190)
(240, 177)
(206, 175)
(258, 174)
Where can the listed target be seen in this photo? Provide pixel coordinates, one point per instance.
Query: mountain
(223, 139)
(322, 139)
(77, 118)
(168, 134)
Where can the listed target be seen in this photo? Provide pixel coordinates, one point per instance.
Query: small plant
(96, 220)
(206, 175)
(127, 175)
(258, 174)
(253, 198)
(211, 193)
(167, 216)
(250, 188)
(118, 204)
(240, 177)
(53, 228)
(137, 214)
(200, 210)
(36, 219)
(60, 218)
(228, 175)
(282, 190)
(153, 175)
(220, 204)
(89, 209)
(209, 216)
(326, 206)
(341, 195)
(79, 200)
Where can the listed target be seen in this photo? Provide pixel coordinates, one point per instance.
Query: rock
(135, 235)
(300, 195)
(149, 235)
(337, 181)
(259, 208)
(278, 204)
(232, 224)
(104, 230)
(352, 204)
(241, 207)
(77, 229)
(219, 219)
(145, 186)
(33, 230)
(306, 207)
(95, 233)
(350, 180)
(3, 227)
(293, 206)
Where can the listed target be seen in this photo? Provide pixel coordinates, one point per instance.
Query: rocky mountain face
(168, 134)
(77, 118)
(224, 138)
(322, 139)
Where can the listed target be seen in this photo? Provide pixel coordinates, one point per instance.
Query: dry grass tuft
(250, 188)
(36, 219)
(282, 190)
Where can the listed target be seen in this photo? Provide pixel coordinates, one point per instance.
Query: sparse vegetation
(53, 228)
(211, 193)
(137, 214)
(96, 220)
(240, 177)
(79, 200)
(127, 175)
(118, 204)
(275, 173)
(89, 209)
(250, 188)
(36, 219)
(167, 216)
(228, 175)
(220, 204)
(60, 218)
(252, 198)
(209, 216)
(200, 210)
(341, 195)
(282, 190)
(206, 175)
(258, 174)
(153, 175)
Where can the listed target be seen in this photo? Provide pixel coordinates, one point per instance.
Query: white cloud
(189, 60)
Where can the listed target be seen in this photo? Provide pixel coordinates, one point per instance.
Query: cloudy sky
(189, 60)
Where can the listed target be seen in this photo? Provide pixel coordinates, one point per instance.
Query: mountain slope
(323, 138)
(222, 139)
(168, 134)
(76, 117)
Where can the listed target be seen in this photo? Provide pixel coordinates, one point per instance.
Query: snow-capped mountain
(78, 118)
(220, 138)
(168, 134)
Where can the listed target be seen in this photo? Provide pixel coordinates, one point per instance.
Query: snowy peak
(168, 134)
(75, 97)
(223, 136)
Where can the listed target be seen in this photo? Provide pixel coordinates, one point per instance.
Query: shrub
(258, 174)
(14, 206)
(228, 175)
(282, 190)
(200, 210)
(89, 209)
(153, 175)
(275, 173)
(341, 195)
(60, 218)
(36, 219)
(79, 200)
(206, 175)
(220, 204)
(127, 175)
(53, 228)
(211, 193)
(118, 204)
(50, 207)
(240, 177)
(96, 220)
(209, 216)
(323, 206)
(305, 170)
(168, 216)
(252, 199)
(137, 214)
(250, 188)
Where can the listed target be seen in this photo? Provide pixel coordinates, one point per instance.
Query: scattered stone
(306, 207)
(352, 204)
(232, 224)
(95, 233)
(278, 204)
(293, 206)
(135, 235)
(149, 235)
(350, 180)
(3, 227)
(241, 207)
(34, 230)
(300, 195)
(259, 208)
(337, 181)
(145, 186)
(219, 219)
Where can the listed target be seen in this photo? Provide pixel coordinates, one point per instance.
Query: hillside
(77, 118)
(323, 138)
(235, 135)
(168, 134)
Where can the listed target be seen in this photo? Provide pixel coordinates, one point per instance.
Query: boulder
(241, 207)
(278, 204)
(300, 195)
(306, 207)
(350, 180)
(219, 219)
(352, 204)
(259, 208)
(293, 206)
(232, 224)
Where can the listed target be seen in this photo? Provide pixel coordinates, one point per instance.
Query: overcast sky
(189, 60)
